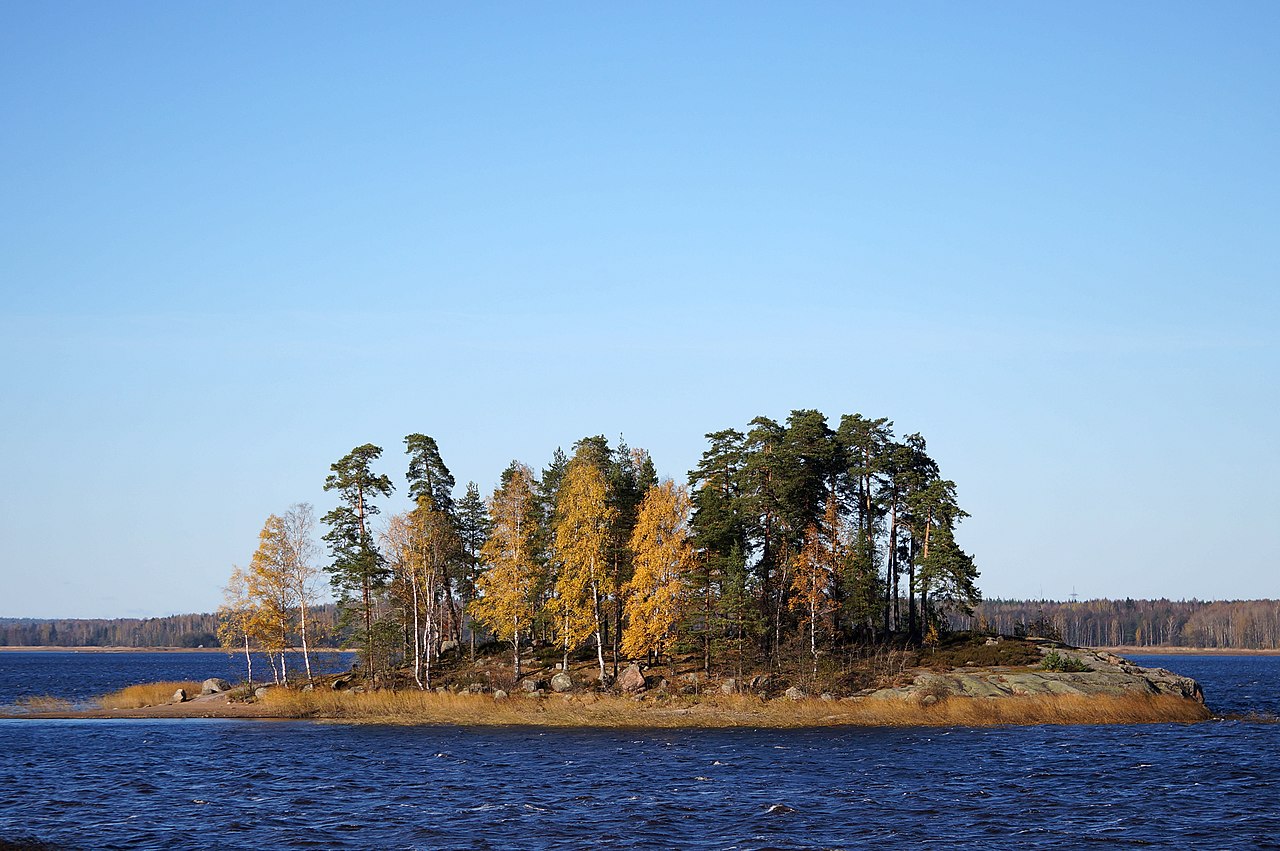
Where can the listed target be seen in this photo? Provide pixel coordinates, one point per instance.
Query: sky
(239, 239)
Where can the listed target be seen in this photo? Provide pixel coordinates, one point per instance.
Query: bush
(1055, 661)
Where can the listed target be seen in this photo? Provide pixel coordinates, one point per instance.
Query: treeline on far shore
(1235, 624)
(1228, 625)
(189, 630)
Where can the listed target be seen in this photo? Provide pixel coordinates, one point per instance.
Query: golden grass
(147, 694)
(415, 707)
(44, 703)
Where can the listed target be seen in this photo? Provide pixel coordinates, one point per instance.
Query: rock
(446, 646)
(928, 700)
(476, 688)
(341, 684)
(261, 691)
(309, 687)
(631, 680)
(692, 679)
(179, 696)
(663, 685)
(795, 693)
(761, 682)
(826, 695)
(213, 685)
(532, 684)
(729, 686)
(561, 682)
(499, 694)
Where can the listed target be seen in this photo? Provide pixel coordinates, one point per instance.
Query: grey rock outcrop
(795, 693)
(179, 696)
(729, 686)
(213, 685)
(561, 682)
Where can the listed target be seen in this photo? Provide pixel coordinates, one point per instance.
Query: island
(971, 681)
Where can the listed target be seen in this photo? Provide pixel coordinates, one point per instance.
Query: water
(236, 784)
(78, 676)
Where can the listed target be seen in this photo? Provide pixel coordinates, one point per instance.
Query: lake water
(237, 784)
(78, 676)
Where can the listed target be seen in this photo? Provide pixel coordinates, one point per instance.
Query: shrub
(1055, 661)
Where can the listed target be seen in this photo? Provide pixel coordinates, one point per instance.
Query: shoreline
(1119, 649)
(52, 648)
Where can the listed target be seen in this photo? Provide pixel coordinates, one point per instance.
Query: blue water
(80, 676)
(238, 784)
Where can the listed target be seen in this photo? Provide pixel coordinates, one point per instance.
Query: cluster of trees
(265, 606)
(1236, 624)
(186, 630)
(787, 534)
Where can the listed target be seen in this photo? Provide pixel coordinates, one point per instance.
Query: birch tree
(507, 588)
(584, 520)
(663, 557)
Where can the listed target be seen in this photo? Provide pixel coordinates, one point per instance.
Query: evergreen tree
(357, 567)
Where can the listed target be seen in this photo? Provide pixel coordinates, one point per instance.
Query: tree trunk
(306, 653)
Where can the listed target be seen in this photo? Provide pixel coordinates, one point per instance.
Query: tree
(584, 520)
(816, 565)
(428, 476)
(300, 555)
(507, 588)
(431, 485)
(658, 593)
(357, 567)
(270, 588)
(235, 617)
(473, 531)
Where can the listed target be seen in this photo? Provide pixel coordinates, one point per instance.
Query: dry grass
(414, 707)
(44, 703)
(147, 694)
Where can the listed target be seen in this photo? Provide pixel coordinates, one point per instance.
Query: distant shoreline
(48, 648)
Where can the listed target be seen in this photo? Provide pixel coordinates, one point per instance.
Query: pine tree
(357, 567)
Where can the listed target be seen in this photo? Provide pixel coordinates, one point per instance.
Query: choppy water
(235, 784)
(77, 676)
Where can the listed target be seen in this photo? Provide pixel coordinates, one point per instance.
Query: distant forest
(1236, 624)
(192, 630)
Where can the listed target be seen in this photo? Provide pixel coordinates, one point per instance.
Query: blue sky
(237, 241)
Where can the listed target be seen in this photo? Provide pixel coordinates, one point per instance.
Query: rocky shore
(1068, 685)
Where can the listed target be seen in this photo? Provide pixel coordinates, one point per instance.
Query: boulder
(761, 682)
(499, 694)
(561, 682)
(826, 695)
(446, 646)
(261, 691)
(631, 680)
(729, 686)
(341, 684)
(179, 696)
(532, 684)
(795, 693)
(213, 685)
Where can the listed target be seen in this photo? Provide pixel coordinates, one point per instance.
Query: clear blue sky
(238, 239)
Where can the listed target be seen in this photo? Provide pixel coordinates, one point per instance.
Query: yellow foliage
(583, 520)
(507, 587)
(663, 557)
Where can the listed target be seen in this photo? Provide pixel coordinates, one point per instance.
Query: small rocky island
(972, 681)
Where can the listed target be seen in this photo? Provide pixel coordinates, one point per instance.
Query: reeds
(416, 707)
(147, 694)
(43, 703)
